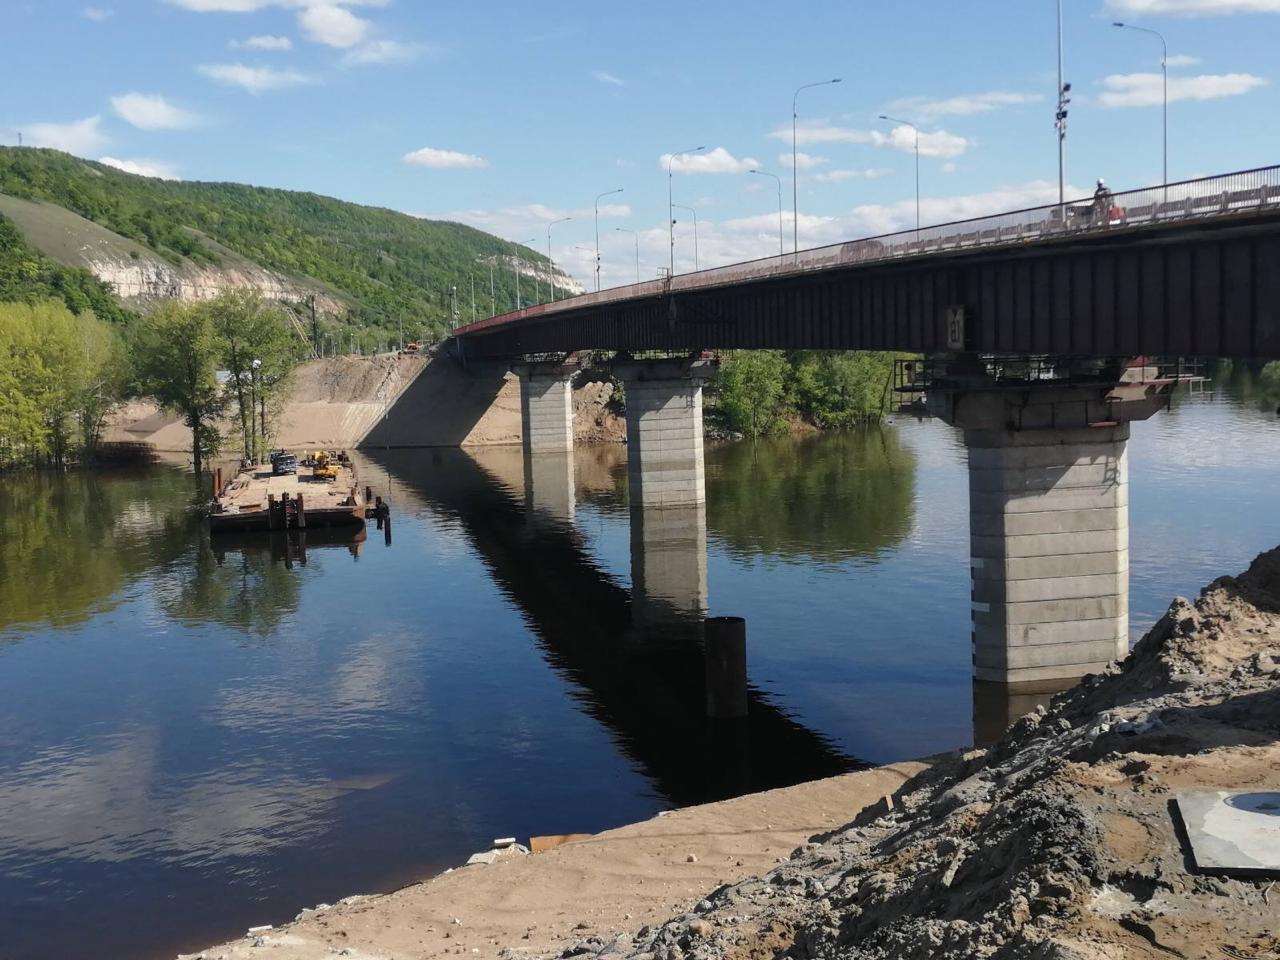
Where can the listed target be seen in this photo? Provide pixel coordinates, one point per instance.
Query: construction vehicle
(324, 466)
(410, 348)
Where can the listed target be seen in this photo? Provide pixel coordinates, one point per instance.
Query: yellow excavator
(324, 467)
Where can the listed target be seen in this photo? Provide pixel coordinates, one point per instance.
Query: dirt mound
(1057, 843)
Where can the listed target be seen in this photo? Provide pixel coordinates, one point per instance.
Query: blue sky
(509, 115)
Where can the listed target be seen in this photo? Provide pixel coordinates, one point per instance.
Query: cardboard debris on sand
(1057, 843)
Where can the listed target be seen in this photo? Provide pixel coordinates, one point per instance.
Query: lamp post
(636, 237)
(778, 179)
(795, 189)
(551, 263)
(681, 206)
(256, 365)
(599, 197)
(671, 224)
(516, 269)
(1060, 121)
(916, 130)
(1164, 71)
(473, 295)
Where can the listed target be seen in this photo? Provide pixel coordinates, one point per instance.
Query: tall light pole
(493, 294)
(778, 179)
(681, 206)
(671, 224)
(531, 243)
(256, 365)
(795, 172)
(599, 197)
(1060, 121)
(473, 295)
(1164, 70)
(908, 123)
(636, 236)
(551, 262)
(516, 266)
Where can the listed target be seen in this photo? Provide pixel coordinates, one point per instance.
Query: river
(195, 738)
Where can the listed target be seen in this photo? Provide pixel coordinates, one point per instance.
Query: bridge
(1041, 331)
(1187, 269)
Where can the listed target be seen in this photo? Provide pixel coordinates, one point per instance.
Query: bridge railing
(1186, 200)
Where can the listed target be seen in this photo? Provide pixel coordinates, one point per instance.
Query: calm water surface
(197, 738)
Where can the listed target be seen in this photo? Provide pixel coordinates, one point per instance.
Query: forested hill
(373, 267)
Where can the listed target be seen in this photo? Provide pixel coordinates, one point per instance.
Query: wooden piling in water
(302, 513)
(271, 511)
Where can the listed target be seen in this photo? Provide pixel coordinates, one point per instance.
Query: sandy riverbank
(602, 886)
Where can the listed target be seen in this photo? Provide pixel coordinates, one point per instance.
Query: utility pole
(315, 326)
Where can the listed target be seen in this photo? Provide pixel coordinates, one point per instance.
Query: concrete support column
(664, 430)
(546, 407)
(1049, 549)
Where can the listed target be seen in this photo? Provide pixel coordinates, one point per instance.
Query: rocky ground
(1057, 843)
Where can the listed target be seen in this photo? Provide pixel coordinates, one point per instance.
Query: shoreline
(599, 886)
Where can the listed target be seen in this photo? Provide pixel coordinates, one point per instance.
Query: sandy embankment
(385, 401)
(613, 882)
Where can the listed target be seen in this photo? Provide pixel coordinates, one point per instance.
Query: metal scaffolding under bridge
(1190, 269)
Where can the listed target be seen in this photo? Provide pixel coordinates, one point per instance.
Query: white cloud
(1146, 89)
(262, 42)
(97, 14)
(876, 219)
(624, 162)
(718, 160)
(444, 159)
(150, 111)
(333, 26)
(962, 105)
(609, 78)
(1193, 8)
(254, 79)
(936, 143)
(143, 168)
(79, 136)
(803, 161)
(383, 51)
(840, 176)
(1182, 60)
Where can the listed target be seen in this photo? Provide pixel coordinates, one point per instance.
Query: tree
(753, 391)
(176, 350)
(252, 329)
(838, 390)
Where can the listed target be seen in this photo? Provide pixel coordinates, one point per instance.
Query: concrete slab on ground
(1233, 832)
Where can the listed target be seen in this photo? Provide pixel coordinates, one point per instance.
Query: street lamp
(516, 269)
(607, 193)
(1060, 121)
(681, 206)
(636, 236)
(795, 190)
(550, 262)
(537, 281)
(1164, 70)
(256, 365)
(671, 224)
(778, 179)
(908, 123)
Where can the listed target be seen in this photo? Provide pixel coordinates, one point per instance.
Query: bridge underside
(1207, 290)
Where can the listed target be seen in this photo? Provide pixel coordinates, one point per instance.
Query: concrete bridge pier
(546, 406)
(1048, 524)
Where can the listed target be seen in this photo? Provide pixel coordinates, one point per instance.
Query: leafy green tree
(258, 353)
(839, 390)
(177, 350)
(752, 391)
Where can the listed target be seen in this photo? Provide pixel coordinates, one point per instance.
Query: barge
(318, 490)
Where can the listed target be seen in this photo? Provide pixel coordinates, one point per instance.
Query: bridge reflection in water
(634, 656)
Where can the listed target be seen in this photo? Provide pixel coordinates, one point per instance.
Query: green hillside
(388, 266)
